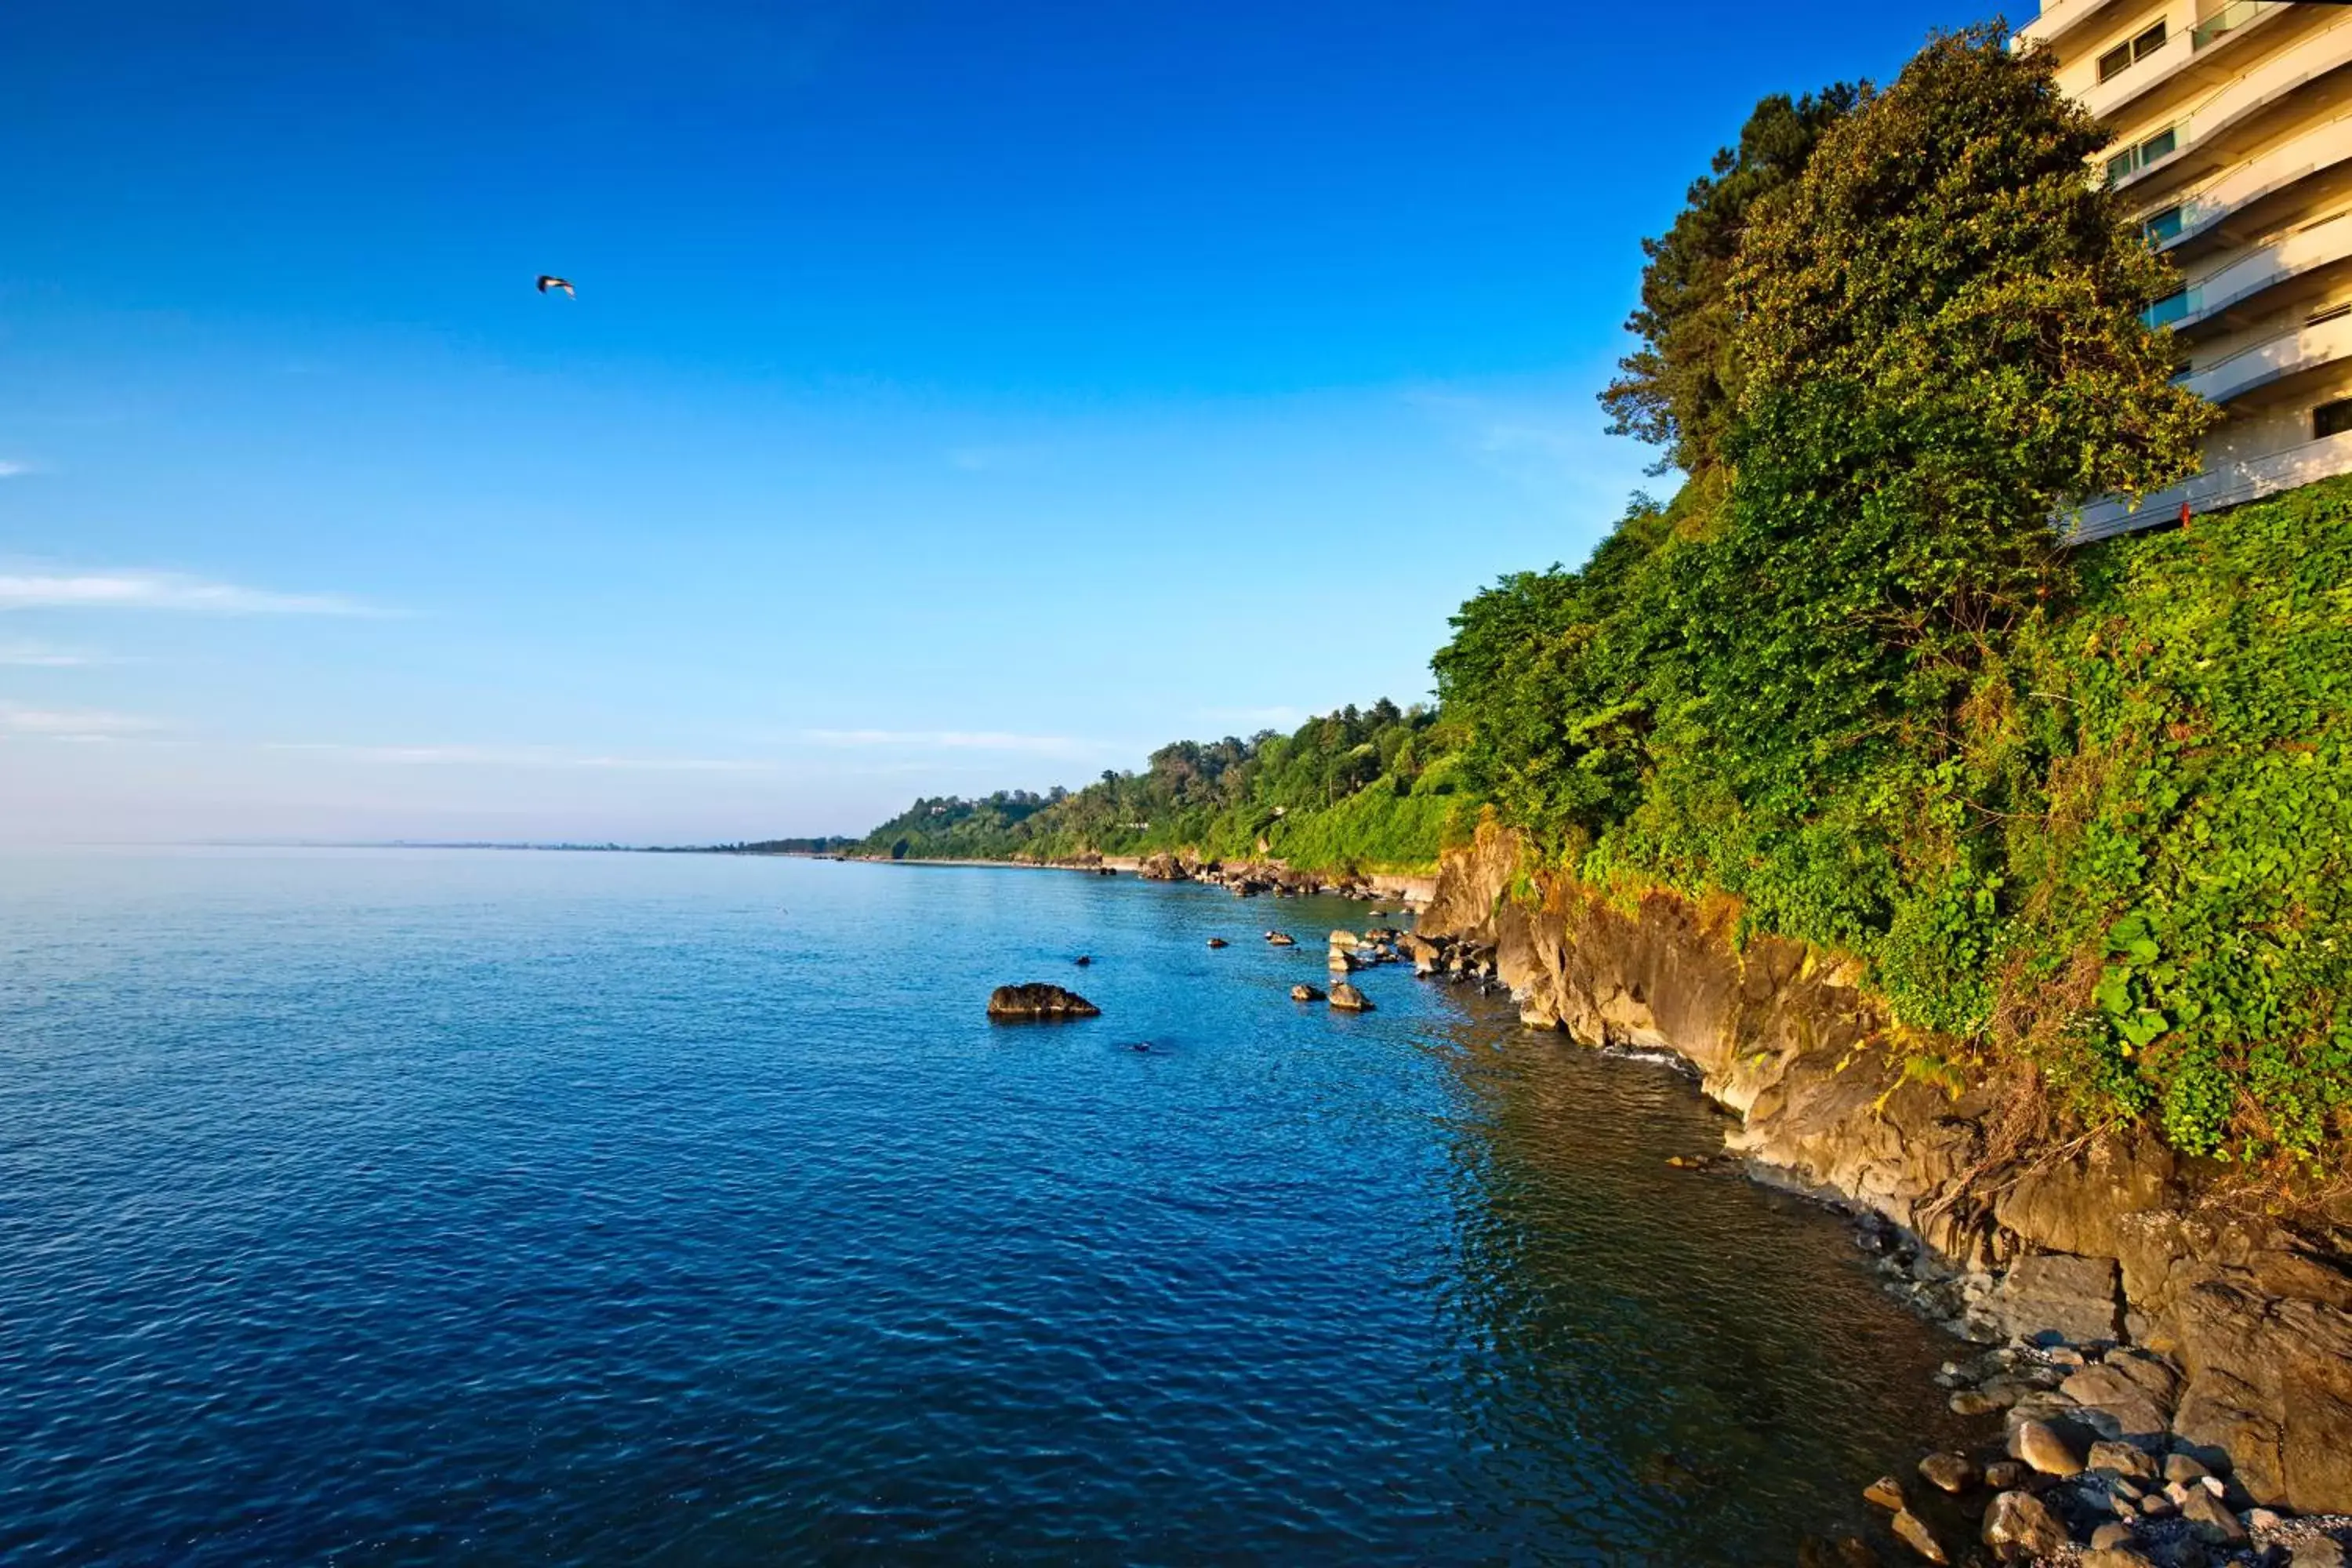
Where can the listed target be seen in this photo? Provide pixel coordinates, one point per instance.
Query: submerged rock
(1038, 1002)
(1886, 1491)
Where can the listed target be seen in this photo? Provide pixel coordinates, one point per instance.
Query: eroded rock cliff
(2028, 1230)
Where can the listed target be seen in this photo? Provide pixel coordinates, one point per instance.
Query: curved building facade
(2233, 126)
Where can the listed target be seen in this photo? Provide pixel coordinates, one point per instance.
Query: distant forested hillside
(1362, 788)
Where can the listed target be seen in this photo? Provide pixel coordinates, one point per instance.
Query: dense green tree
(1676, 390)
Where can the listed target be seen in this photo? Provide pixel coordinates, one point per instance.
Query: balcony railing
(2229, 20)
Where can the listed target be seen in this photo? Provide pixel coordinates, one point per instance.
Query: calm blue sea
(479, 1206)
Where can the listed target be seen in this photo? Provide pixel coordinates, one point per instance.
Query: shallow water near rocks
(408, 1206)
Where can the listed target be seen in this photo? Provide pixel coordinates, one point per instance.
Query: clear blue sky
(956, 397)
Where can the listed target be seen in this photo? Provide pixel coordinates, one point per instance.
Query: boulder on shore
(2035, 1443)
(1037, 1003)
(1949, 1472)
(2020, 1527)
(1348, 999)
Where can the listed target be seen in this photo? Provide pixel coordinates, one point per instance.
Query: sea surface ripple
(376, 1207)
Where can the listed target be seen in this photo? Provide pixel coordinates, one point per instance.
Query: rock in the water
(2211, 1518)
(1346, 939)
(1306, 994)
(1347, 998)
(1281, 939)
(1341, 964)
(1886, 1491)
(1949, 1472)
(2020, 1527)
(1968, 1402)
(2046, 1451)
(1083, 960)
(1216, 941)
(1850, 1551)
(1918, 1536)
(1038, 1002)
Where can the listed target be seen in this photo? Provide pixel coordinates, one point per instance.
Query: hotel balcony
(2274, 359)
(2203, 138)
(2236, 196)
(2300, 255)
(2230, 484)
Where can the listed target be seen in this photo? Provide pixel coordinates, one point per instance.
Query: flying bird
(545, 283)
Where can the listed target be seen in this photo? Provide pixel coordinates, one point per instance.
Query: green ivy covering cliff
(2085, 807)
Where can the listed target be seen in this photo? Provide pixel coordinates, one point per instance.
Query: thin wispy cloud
(17, 719)
(522, 757)
(955, 740)
(40, 656)
(161, 590)
(11, 468)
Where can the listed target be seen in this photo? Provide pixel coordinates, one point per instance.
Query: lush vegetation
(2084, 808)
(1361, 789)
(825, 845)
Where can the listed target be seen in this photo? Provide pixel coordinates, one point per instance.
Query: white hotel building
(2232, 123)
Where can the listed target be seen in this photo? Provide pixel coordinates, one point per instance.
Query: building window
(2164, 227)
(2132, 160)
(2331, 418)
(2167, 311)
(2126, 54)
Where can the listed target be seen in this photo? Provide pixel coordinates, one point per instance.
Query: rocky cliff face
(2024, 1233)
